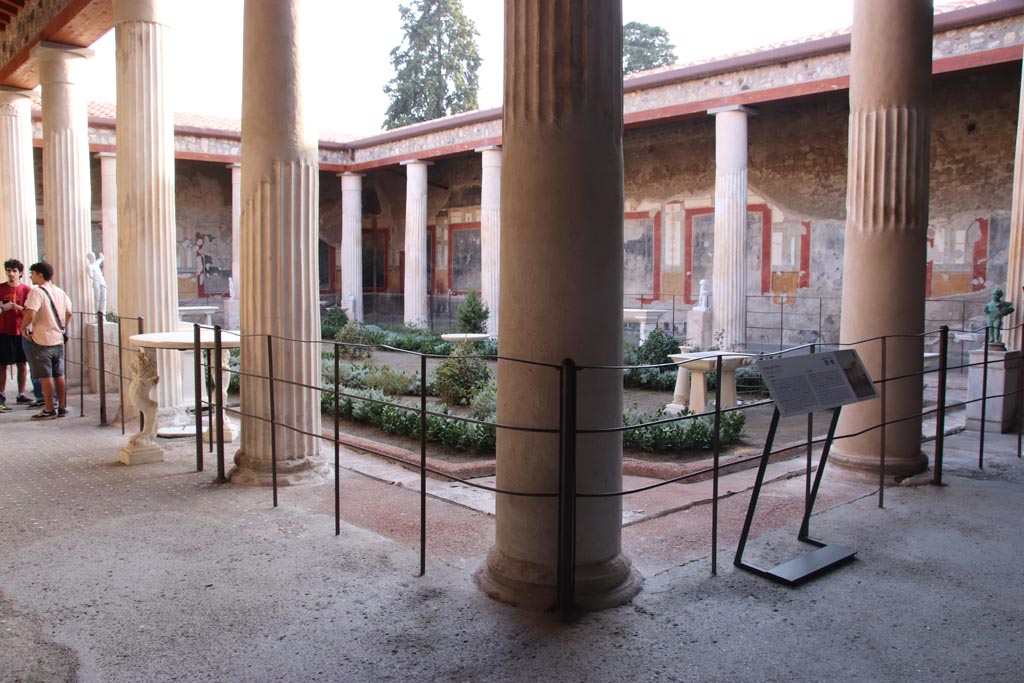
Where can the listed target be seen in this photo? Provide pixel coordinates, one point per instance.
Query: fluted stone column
(280, 192)
(232, 305)
(417, 312)
(561, 292)
(147, 234)
(490, 232)
(108, 197)
(67, 198)
(18, 236)
(1015, 262)
(729, 269)
(352, 242)
(886, 225)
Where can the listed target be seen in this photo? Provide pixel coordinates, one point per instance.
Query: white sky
(349, 42)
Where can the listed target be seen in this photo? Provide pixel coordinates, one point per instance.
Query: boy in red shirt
(12, 352)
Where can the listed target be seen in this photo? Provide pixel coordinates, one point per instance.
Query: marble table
(144, 449)
(465, 337)
(644, 316)
(692, 393)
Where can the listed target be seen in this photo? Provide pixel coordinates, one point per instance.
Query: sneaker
(62, 412)
(22, 398)
(4, 408)
(45, 415)
(38, 403)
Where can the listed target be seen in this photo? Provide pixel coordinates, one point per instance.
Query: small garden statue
(702, 298)
(995, 311)
(99, 283)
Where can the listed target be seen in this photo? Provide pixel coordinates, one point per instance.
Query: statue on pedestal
(995, 311)
(702, 298)
(99, 283)
(144, 378)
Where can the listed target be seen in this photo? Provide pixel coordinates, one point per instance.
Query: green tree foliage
(645, 47)
(435, 65)
(472, 315)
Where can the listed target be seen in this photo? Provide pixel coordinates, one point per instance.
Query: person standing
(47, 313)
(13, 294)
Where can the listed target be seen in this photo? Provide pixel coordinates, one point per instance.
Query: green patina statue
(995, 311)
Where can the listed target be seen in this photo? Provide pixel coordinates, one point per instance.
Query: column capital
(11, 94)
(138, 10)
(106, 155)
(351, 181)
(47, 50)
(350, 174)
(412, 162)
(234, 164)
(749, 111)
(488, 148)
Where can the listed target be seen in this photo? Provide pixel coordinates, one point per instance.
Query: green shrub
(653, 379)
(656, 348)
(331, 322)
(357, 342)
(683, 435)
(472, 315)
(484, 405)
(459, 378)
(392, 382)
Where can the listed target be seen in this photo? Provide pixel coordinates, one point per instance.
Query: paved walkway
(156, 573)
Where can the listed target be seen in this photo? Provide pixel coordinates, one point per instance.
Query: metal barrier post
(782, 324)
(1020, 404)
(197, 378)
(120, 369)
(423, 462)
(337, 446)
(885, 428)
(984, 402)
(140, 330)
(81, 368)
(716, 445)
(810, 447)
(102, 365)
(940, 416)
(222, 390)
(566, 589)
(273, 417)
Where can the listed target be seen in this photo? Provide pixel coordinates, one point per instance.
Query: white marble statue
(702, 298)
(99, 283)
(144, 378)
(231, 288)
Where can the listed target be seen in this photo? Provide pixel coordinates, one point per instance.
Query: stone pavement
(156, 573)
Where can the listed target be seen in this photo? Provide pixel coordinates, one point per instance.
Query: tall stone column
(18, 236)
(490, 232)
(562, 137)
(352, 243)
(108, 197)
(280, 193)
(67, 197)
(1015, 262)
(417, 312)
(729, 267)
(147, 234)
(232, 305)
(886, 226)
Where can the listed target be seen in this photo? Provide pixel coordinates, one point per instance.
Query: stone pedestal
(141, 454)
(1003, 378)
(232, 314)
(699, 331)
(109, 357)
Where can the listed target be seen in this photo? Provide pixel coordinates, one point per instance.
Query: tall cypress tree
(435, 65)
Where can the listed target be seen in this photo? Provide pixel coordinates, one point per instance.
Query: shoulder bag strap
(53, 308)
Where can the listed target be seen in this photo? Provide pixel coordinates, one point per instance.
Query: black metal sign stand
(809, 565)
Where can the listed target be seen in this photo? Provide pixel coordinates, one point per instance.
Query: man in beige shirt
(47, 313)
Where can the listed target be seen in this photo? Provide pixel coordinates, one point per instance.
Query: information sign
(817, 381)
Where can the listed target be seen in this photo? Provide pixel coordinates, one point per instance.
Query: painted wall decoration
(642, 256)
(204, 265)
(464, 265)
(375, 260)
(957, 256)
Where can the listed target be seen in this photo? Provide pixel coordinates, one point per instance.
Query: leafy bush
(331, 323)
(484, 405)
(656, 348)
(459, 378)
(683, 435)
(392, 382)
(472, 315)
(357, 342)
(654, 379)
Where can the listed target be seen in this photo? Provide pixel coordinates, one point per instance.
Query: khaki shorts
(47, 361)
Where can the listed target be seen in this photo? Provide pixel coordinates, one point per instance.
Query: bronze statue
(995, 311)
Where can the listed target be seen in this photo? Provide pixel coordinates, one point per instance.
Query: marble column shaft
(886, 226)
(490, 233)
(729, 269)
(236, 225)
(352, 242)
(417, 312)
(67, 198)
(147, 233)
(561, 292)
(1012, 334)
(279, 255)
(18, 234)
(108, 195)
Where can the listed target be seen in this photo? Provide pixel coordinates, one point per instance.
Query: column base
(141, 454)
(866, 467)
(291, 472)
(532, 586)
